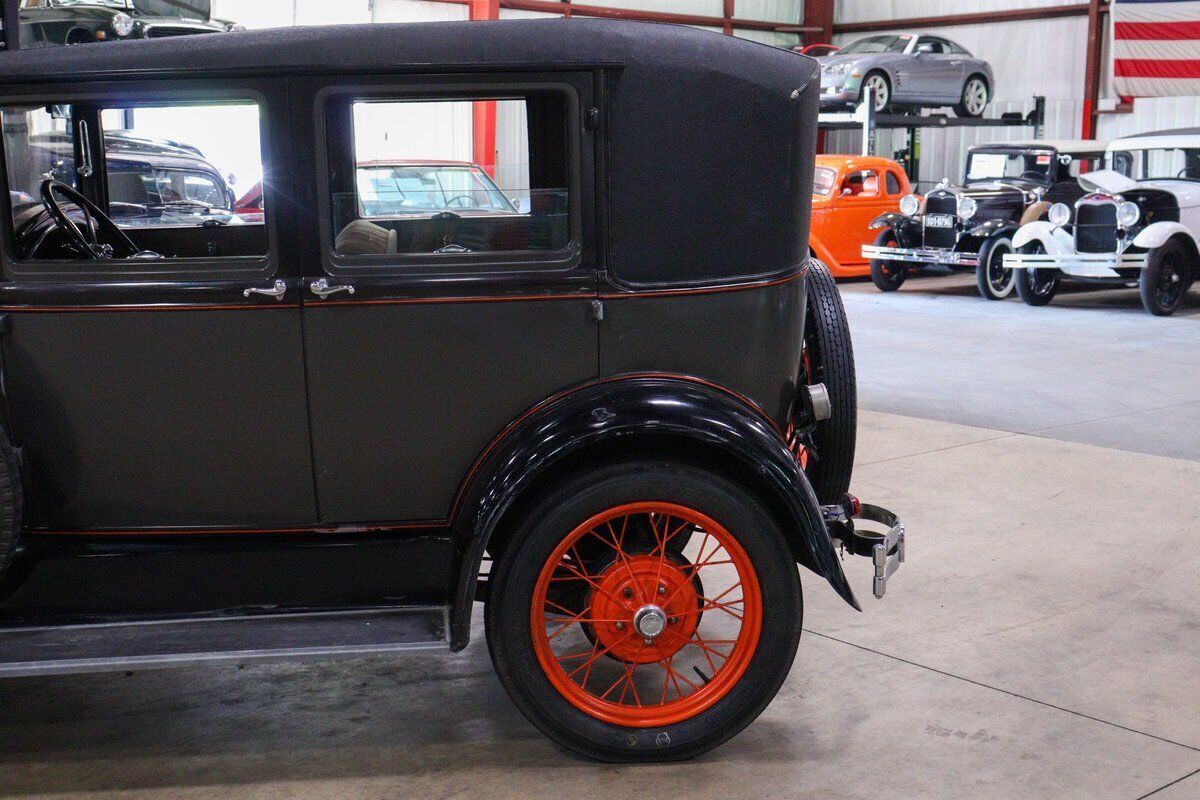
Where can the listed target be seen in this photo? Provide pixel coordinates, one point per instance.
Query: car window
(893, 183)
(956, 48)
(877, 44)
(169, 173)
(1030, 165)
(1158, 163)
(436, 180)
(864, 183)
(824, 179)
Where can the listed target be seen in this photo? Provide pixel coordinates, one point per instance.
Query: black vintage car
(46, 23)
(150, 182)
(971, 226)
(616, 418)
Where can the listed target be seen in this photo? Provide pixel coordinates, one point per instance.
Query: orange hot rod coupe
(848, 193)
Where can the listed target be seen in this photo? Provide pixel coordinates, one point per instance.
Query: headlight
(1060, 214)
(838, 69)
(967, 207)
(122, 24)
(910, 205)
(1128, 215)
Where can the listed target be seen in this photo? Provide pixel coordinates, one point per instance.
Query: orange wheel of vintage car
(646, 615)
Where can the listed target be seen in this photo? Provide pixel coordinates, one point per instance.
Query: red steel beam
(483, 112)
(1097, 9)
(1010, 15)
(818, 17)
(728, 16)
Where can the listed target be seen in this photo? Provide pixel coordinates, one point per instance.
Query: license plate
(939, 221)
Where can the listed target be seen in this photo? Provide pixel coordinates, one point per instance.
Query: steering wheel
(86, 242)
(460, 201)
(1183, 173)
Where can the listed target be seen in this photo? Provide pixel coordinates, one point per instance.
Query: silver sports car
(906, 70)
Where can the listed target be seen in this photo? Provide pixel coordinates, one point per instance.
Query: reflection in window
(449, 177)
(164, 175)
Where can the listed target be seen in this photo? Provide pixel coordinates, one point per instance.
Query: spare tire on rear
(829, 360)
(11, 502)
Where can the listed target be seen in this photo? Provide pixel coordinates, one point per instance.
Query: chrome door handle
(277, 290)
(322, 289)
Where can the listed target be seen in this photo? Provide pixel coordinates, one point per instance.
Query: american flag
(1156, 47)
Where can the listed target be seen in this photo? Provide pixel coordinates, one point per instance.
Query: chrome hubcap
(650, 621)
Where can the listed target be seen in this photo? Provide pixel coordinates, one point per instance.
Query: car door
(935, 71)
(153, 393)
(449, 283)
(861, 198)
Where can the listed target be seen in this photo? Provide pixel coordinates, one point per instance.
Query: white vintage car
(1138, 223)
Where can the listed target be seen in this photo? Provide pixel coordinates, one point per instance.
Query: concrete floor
(1042, 642)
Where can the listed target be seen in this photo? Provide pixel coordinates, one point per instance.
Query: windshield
(1157, 164)
(174, 8)
(824, 180)
(877, 44)
(423, 190)
(998, 165)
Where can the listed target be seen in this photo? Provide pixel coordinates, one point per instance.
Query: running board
(203, 641)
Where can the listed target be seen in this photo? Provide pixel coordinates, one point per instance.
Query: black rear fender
(633, 417)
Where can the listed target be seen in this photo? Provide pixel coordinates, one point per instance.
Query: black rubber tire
(831, 361)
(559, 512)
(993, 247)
(888, 276)
(1169, 262)
(12, 502)
(1037, 287)
(961, 110)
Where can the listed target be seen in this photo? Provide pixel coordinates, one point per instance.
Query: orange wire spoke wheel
(646, 615)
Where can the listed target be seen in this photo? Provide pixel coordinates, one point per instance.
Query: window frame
(173, 270)
(428, 89)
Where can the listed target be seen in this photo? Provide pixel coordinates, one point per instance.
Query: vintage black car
(971, 226)
(328, 434)
(46, 23)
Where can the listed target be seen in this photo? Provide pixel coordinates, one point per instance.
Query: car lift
(865, 119)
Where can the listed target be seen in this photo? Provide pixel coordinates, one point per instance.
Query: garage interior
(1043, 638)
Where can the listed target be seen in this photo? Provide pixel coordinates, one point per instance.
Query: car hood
(838, 58)
(1107, 181)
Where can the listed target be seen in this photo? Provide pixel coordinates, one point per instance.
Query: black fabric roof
(710, 138)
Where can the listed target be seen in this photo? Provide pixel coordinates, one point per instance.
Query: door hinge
(592, 119)
(597, 310)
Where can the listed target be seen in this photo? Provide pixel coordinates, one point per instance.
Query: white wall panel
(789, 12)
(1152, 114)
(768, 37)
(705, 8)
(418, 11)
(281, 13)
(871, 10)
